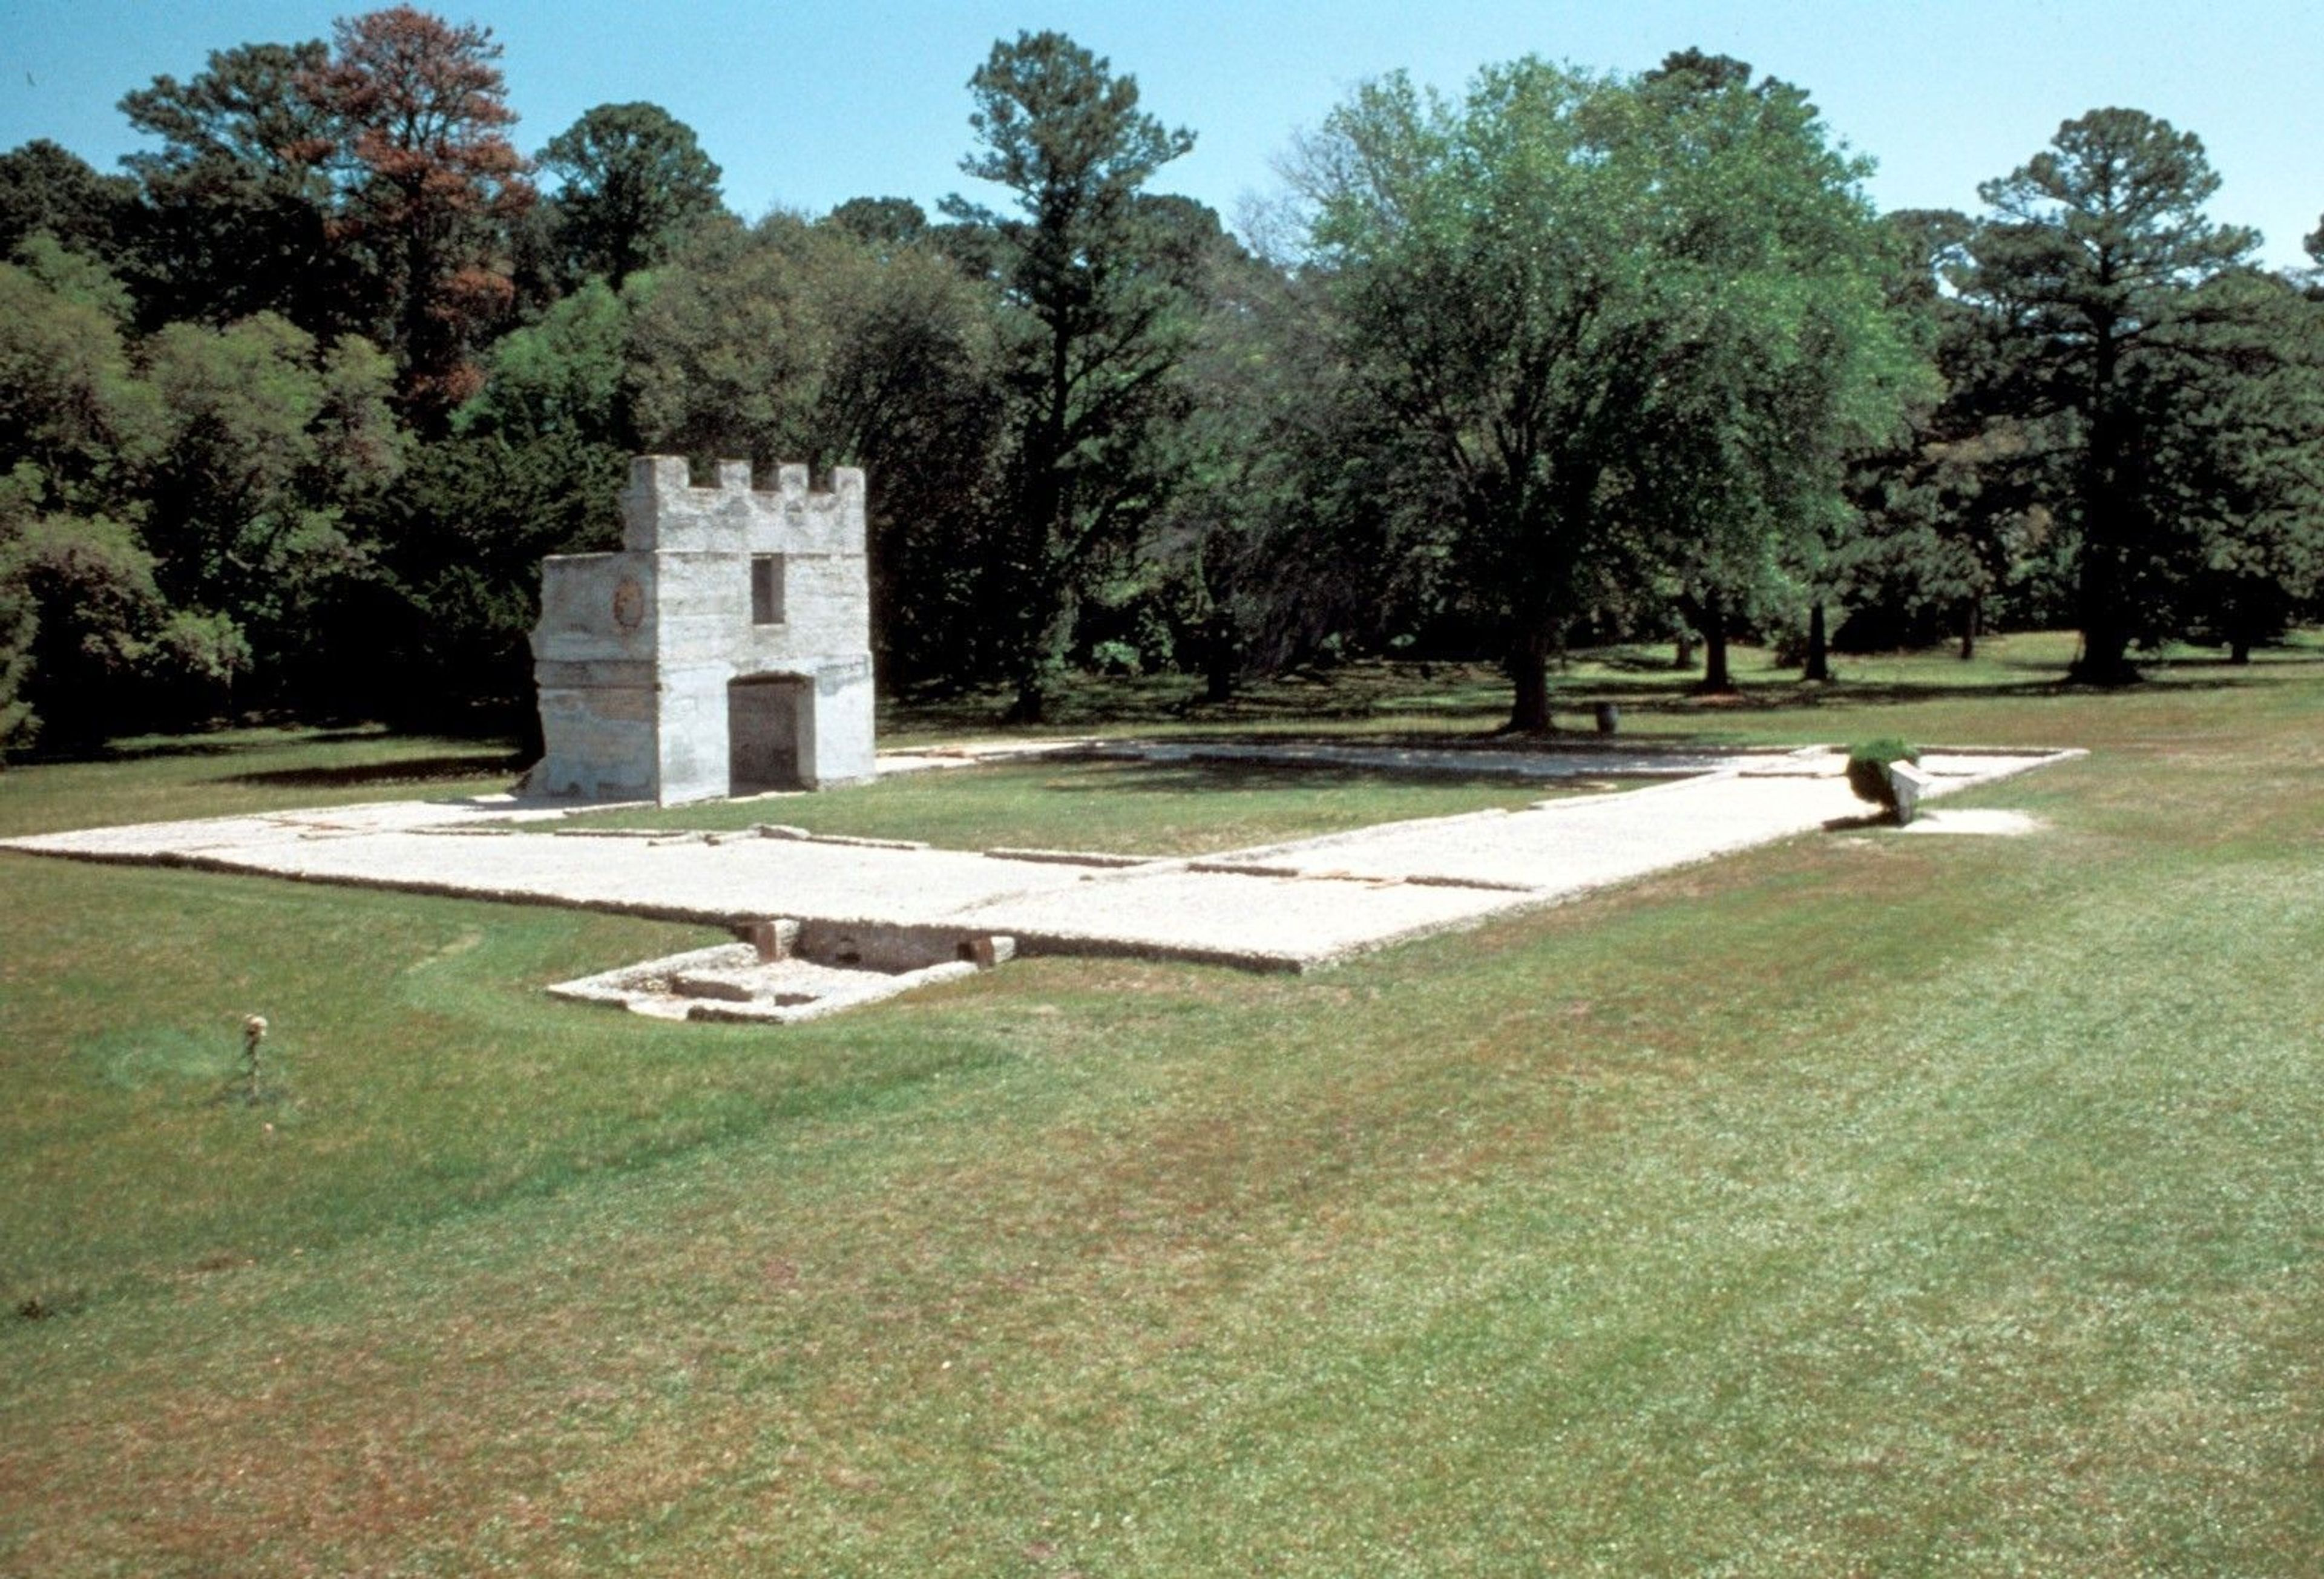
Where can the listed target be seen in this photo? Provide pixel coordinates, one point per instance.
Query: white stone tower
(725, 650)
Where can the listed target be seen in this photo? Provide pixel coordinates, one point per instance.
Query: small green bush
(1115, 658)
(1866, 762)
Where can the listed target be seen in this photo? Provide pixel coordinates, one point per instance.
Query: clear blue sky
(808, 103)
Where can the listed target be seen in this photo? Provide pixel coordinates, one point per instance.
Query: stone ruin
(785, 971)
(725, 650)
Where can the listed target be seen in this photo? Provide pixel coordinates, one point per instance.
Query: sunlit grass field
(1119, 807)
(1869, 1203)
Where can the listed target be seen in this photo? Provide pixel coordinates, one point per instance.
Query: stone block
(1910, 784)
(985, 953)
(772, 939)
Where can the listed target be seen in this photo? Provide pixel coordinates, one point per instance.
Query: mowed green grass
(1865, 1204)
(1124, 807)
(1427, 698)
(156, 779)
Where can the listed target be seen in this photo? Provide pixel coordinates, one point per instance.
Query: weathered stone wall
(636, 650)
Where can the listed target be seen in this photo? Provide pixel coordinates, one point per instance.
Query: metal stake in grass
(254, 1031)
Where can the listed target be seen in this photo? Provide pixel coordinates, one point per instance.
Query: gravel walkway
(1283, 907)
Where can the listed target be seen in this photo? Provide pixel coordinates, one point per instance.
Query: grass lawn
(152, 778)
(1421, 699)
(1863, 1203)
(1157, 808)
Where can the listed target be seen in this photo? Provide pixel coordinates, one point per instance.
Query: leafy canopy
(634, 179)
(1086, 263)
(1621, 326)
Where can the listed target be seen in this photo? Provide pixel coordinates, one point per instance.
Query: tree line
(291, 408)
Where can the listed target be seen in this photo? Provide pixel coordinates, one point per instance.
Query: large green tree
(1786, 357)
(1094, 298)
(78, 428)
(179, 509)
(2094, 264)
(632, 180)
(237, 203)
(788, 341)
(75, 419)
(1624, 326)
(269, 441)
(45, 188)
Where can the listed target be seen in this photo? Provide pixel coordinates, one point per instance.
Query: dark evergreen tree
(237, 203)
(633, 181)
(2093, 264)
(2238, 465)
(1944, 510)
(1095, 324)
(44, 188)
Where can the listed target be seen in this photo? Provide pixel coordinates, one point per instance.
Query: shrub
(1866, 763)
(1114, 658)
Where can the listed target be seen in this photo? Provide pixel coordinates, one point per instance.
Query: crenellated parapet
(662, 512)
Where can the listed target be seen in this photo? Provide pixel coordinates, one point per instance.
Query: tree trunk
(1032, 703)
(1041, 649)
(2239, 650)
(1682, 649)
(1970, 618)
(1219, 665)
(1716, 679)
(1819, 664)
(1529, 672)
(2104, 659)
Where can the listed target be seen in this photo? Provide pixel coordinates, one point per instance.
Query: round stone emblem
(629, 604)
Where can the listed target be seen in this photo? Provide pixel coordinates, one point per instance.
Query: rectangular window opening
(766, 589)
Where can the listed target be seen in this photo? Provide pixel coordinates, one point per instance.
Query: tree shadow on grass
(224, 743)
(1485, 741)
(1783, 694)
(1212, 779)
(65, 753)
(1777, 696)
(403, 771)
(1640, 660)
(2262, 660)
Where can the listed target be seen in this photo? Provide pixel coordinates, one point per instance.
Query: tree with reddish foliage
(430, 188)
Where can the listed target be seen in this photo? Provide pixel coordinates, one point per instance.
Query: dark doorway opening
(767, 716)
